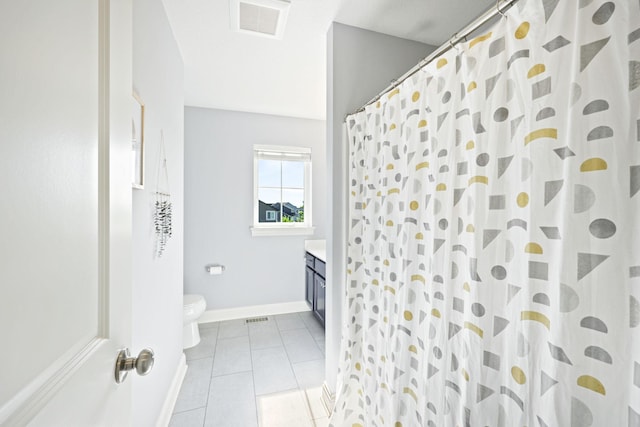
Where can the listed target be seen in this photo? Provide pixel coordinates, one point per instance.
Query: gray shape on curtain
(453, 329)
(541, 88)
(523, 345)
(499, 324)
(634, 75)
(524, 53)
(490, 84)
(634, 180)
(496, 47)
(473, 269)
(599, 133)
(488, 236)
(431, 370)
(546, 113)
(504, 162)
(546, 382)
(517, 222)
(598, 353)
(538, 270)
(595, 107)
(584, 198)
(512, 394)
(552, 233)
(576, 93)
(581, 415)
(559, 354)
(497, 202)
(634, 312)
(512, 291)
(477, 123)
(491, 360)
(590, 50)
(588, 262)
(549, 7)
(564, 152)
(569, 299)
(603, 14)
(515, 123)
(541, 422)
(555, 44)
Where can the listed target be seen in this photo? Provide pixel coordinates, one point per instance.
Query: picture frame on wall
(137, 142)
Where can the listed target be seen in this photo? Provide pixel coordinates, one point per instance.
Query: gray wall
(360, 64)
(157, 283)
(219, 208)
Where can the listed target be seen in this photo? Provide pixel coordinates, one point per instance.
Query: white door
(65, 211)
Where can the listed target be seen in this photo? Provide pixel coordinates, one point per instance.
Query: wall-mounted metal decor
(162, 213)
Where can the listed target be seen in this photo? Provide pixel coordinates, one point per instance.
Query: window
(282, 190)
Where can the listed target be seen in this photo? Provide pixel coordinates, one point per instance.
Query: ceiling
(233, 71)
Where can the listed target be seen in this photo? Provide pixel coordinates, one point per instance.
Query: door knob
(142, 364)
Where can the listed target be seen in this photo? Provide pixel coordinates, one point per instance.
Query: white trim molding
(172, 395)
(282, 231)
(253, 311)
(328, 399)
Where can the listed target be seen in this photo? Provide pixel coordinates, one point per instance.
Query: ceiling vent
(265, 18)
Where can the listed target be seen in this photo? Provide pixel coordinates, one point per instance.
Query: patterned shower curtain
(494, 250)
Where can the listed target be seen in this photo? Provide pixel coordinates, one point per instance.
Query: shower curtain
(494, 246)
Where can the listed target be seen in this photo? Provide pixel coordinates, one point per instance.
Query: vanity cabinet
(315, 285)
(309, 285)
(319, 299)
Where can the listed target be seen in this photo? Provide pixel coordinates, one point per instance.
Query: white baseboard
(328, 399)
(253, 311)
(172, 395)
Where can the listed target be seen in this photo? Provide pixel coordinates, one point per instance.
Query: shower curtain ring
(454, 46)
(498, 9)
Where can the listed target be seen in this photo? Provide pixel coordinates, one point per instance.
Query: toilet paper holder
(214, 269)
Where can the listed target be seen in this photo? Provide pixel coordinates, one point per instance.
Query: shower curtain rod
(498, 9)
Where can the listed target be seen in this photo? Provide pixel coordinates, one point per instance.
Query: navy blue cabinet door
(309, 286)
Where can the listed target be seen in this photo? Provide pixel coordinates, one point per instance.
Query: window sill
(281, 231)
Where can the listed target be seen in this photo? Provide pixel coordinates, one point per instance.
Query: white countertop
(317, 248)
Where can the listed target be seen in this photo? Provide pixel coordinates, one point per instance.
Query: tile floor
(266, 374)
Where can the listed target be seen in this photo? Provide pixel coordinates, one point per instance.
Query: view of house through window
(282, 181)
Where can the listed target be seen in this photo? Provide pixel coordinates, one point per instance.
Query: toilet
(194, 306)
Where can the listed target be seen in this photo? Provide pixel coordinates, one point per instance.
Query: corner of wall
(157, 282)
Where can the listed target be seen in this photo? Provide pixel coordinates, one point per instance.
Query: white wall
(219, 208)
(157, 283)
(360, 64)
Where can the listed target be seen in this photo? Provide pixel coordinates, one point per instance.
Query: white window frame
(283, 228)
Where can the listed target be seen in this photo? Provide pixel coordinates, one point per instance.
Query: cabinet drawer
(320, 267)
(310, 260)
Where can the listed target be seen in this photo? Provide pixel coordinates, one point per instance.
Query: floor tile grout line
(213, 359)
(287, 353)
(316, 344)
(253, 380)
(189, 410)
(310, 411)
